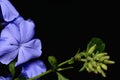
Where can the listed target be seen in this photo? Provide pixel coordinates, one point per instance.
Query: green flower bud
(99, 55)
(88, 69)
(90, 51)
(99, 69)
(108, 62)
(103, 73)
(94, 63)
(95, 71)
(104, 58)
(89, 58)
(90, 66)
(103, 66)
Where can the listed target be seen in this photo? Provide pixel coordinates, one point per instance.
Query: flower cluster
(95, 60)
(17, 43)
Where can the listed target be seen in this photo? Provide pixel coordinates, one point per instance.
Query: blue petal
(18, 20)
(6, 47)
(11, 33)
(5, 78)
(9, 13)
(7, 52)
(26, 30)
(32, 69)
(8, 57)
(28, 51)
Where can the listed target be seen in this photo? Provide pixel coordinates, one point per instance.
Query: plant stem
(44, 73)
(51, 70)
(65, 62)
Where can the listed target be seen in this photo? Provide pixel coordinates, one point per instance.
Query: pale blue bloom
(15, 41)
(8, 12)
(33, 68)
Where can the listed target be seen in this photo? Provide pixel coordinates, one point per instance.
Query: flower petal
(26, 30)
(6, 47)
(33, 44)
(18, 20)
(11, 33)
(8, 11)
(5, 78)
(7, 52)
(6, 58)
(32, 69)
(29, 51)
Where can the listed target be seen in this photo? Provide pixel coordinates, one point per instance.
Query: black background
(65, 26)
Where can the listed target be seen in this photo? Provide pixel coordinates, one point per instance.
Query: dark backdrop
(65, 26)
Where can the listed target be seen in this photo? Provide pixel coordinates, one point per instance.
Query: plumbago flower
(16, 42)
(7, 11)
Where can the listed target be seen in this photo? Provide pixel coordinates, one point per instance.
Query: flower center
(20, 45)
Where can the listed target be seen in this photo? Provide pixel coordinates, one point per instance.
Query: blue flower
(5, 78)
(33, 68)
(7, 11)
(16, 41)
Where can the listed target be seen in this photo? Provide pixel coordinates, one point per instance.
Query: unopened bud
(109, 62)
(99, 55)
(90, 51)
(104, 66)
(104, 58)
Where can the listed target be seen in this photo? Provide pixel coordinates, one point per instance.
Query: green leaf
(12, 68)
(100, 45)
(61, 77)
(53, 61)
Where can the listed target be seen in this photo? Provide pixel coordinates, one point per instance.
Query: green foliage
(53, 61)
(12, 68)
(61, 77)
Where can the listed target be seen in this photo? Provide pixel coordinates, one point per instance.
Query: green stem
(61, 69)
(67, 61)
(51, 70)
(44, 73)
